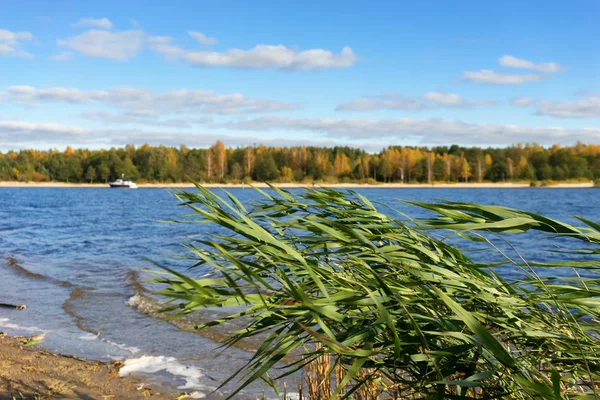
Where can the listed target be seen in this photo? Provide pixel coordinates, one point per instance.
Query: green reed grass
(324, 272)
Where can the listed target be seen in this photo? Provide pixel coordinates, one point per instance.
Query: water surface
(71, 256)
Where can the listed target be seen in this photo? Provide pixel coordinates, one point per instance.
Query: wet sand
(27, 372)
(485, 185)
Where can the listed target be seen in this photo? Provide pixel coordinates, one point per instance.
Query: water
(70, 255)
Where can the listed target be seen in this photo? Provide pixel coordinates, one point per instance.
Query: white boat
(123, 183)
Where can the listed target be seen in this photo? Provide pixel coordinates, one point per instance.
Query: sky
(98, 74)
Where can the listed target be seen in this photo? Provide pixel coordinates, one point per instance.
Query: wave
(14, 265)
(88, 336)
(133, 281)
(130, 349)
(5, 323)
(220, 333)
(69, 308)
(153, 364)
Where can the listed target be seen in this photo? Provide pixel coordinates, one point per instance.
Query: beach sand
(485, 185)
(33, 374)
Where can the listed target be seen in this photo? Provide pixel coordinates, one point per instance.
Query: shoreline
(485, 185)
(30, 372)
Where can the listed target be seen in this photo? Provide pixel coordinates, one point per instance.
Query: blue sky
(363, 74)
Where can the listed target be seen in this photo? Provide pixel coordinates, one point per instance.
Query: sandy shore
(302, 185)
(33, 374)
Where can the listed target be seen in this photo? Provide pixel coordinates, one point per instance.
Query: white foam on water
(142, 304)
(88, 336)
(130, 349)
(4, 323)
(153, 364)
(94, 336)
(134, 300)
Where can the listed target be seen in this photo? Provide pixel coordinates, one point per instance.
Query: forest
(221, 164)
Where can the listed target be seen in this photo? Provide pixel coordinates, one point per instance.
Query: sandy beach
(485, 185)
(27, 372)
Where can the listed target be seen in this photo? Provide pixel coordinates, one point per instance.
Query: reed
(372, 306)
(321, 382)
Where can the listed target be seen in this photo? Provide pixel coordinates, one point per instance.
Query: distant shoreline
(488, 185)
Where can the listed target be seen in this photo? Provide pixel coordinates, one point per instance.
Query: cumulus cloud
(514, 62)
(499, 78)
(586, 108)
(444, 98)
(125, 45)
(31, 96)
(260, 57)
(150, 103)
(11, 43)
(368, 134)
(120, 46)
(19, 134)
(102, 23)
(203, 39)
(393, 101)
(426, 131)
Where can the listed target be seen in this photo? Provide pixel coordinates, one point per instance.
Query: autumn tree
(341, 165)
(299, 163)
(430, 160)
(448, 161)
(465, 169)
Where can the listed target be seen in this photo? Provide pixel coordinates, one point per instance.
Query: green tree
(90, 174)
(103, 172)
(265, 168)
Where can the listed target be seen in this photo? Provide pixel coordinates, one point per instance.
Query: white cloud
(11, 43)
(20, 92)
(586, 108)
(150, 103)
(499, 78)
(31, 96)
(260, 57)
(125, 45)
(367, 134)
(521, 101)
(448, 99)
(19, 134)
(425, 131)
(7, 127)
(393, 101)
(203, 39)
(63, 56)
(389, 101)
(121, 46)
(514, 62)
(144, 119)
(102, 23)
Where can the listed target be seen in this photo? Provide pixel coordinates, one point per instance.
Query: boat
(123, 183)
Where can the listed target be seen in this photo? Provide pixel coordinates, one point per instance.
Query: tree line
(407, 164)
